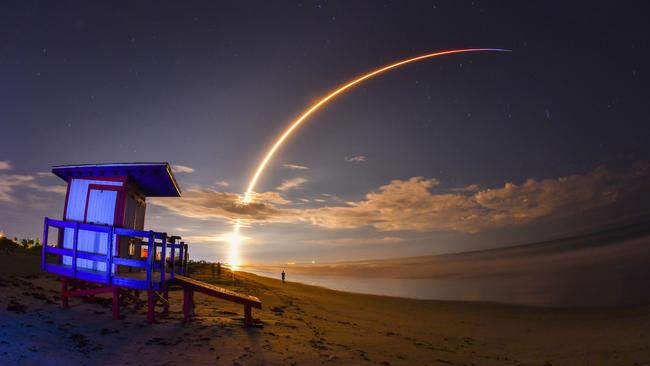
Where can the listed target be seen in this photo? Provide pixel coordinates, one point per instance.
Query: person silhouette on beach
(283, 274)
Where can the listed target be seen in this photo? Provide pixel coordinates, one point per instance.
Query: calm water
(602, 286)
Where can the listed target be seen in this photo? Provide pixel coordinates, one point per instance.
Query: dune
(302, 324)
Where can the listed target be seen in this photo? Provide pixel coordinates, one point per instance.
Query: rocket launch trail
(248, 196)
(250, 191)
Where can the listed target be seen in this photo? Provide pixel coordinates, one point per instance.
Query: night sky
(452, 154)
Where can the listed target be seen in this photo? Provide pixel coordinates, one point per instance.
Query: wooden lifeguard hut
(100, 245)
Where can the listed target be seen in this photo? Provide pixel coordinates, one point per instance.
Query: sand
(306, 325)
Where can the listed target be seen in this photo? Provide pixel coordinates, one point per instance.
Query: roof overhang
(153, 179)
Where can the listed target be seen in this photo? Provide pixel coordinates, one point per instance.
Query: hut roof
(154, 179)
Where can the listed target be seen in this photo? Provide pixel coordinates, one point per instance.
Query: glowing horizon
(233, 252)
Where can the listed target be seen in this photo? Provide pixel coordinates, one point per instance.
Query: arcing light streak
(248, 196)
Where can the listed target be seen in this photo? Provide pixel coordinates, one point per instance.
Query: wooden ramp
(190, 285)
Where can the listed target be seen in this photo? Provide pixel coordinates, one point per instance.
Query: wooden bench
(190, 285)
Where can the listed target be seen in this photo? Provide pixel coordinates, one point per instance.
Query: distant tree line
(27, 243)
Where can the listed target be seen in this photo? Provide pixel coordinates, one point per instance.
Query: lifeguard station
(100, 245)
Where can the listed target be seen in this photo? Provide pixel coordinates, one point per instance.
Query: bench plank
(215, 291)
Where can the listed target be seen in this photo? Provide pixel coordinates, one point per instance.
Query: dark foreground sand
(307, 325)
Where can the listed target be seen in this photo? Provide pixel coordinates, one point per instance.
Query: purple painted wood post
(151, 254)
(172, 258)
(187, 254)
(163, 259)
(180, 258)
(109, 258)
(46, 226)
(75, 239)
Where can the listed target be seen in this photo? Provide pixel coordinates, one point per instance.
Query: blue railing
(157, 269)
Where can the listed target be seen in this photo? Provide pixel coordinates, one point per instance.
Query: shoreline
(253, 276)
(565, 273)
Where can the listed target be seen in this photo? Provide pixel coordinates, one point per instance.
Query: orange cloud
(207, 203)
(411, 205)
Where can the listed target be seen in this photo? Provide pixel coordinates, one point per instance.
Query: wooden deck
(171, 259)
(132, 280)
(165, 265)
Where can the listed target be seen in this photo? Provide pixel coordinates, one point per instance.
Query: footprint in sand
(16, 307)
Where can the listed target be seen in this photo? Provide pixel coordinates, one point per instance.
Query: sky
(457, 153)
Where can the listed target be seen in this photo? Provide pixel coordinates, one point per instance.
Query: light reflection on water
(609, 268)
(600, 288)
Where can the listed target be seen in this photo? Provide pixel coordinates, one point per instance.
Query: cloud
(410, 205)
(182, 169)
(50, 189)
(356, 159)
(468, 188)
(289, 184)
(294, 167)
(5, 165)
(356, 241)
(207, 203)
(331, 196)
(222, 183)
(9, 182)
(270, 197)
(217, 238)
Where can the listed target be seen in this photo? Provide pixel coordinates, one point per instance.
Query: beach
(304, 325)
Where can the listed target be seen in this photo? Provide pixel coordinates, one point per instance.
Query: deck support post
(188, 304)
(166, 297)
(151, 305)
(64, 293)
(46, 226)
(136, 296)
(116, 303)
(193, 304)
(248, 315)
